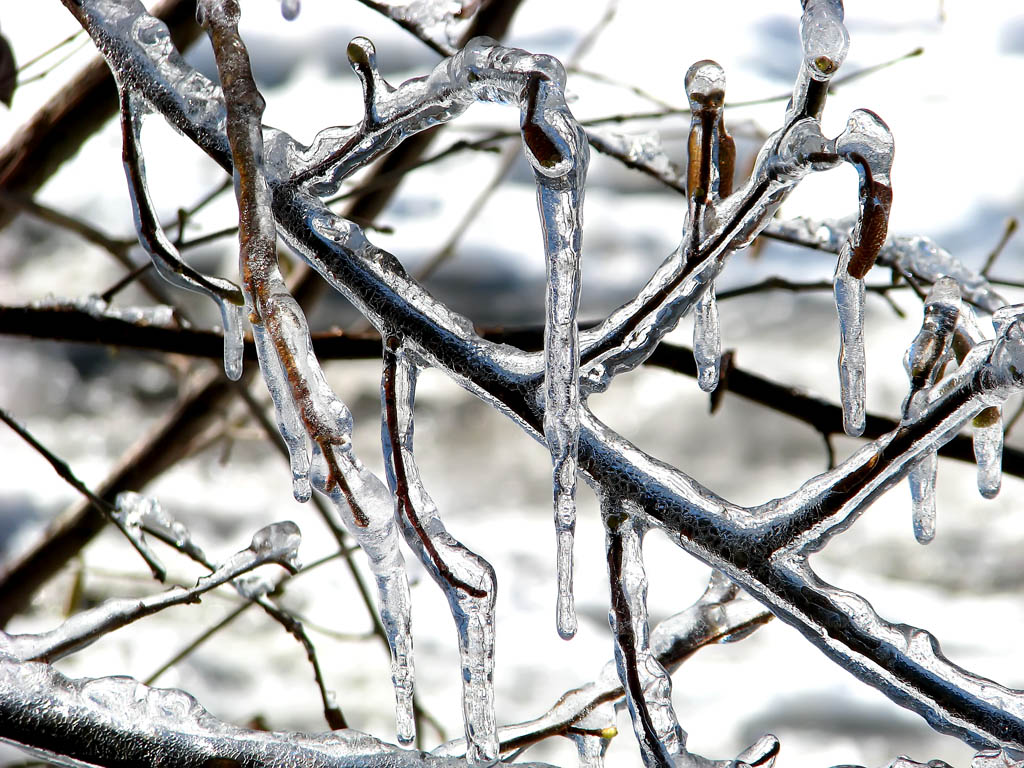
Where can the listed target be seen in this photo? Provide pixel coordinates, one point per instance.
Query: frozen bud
(824, 37)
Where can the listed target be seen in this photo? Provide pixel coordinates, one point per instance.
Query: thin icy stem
(277, 543)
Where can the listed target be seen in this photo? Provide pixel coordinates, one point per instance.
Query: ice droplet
(849, 294)
(707, 340)
(290, 9)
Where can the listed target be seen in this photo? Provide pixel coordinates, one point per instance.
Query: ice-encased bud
(824, 37)
(705, 85)
(278, 542)
(932, 343)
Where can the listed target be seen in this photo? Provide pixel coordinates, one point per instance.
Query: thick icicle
(924, 362)
(164, 255)
(648, 686)
(467, 579)
(557, 150)
(289, 421)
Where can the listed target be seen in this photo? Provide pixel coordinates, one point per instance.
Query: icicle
(648, 686)
(367, 509)
(557, 150)
(988, 450)
(164, 255)
(849, 293)
(467, 579)
(867, 144)
(289, 421)
(710, 158)
(707, 340)
(290, 9)
(924, 361)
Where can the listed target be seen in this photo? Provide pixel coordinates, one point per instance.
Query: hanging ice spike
(924, 362)
(867, 145)
(711, 156)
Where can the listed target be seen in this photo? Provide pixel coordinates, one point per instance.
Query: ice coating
(164, 255)
(824, 37)
(467, 580)
(96, 306)
(924, 363)
(145, 513)
(648, 686)
(276, 543)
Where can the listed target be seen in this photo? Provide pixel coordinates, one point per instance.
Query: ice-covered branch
(119, 721)
(763, 549)
(277, 543)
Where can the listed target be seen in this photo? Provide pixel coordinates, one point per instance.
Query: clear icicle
(849, 293)
(467, 580)
(707, 340)
(165, 257)
(866, 143)
(988, 451)
(648, 686)
(557, 150)
(922, 496)
(367, 509)
(924, 362)
(988, 425)
(289, 421)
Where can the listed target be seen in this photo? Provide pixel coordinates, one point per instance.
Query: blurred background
(953, 110)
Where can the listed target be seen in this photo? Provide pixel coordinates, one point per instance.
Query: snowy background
(954, 112)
